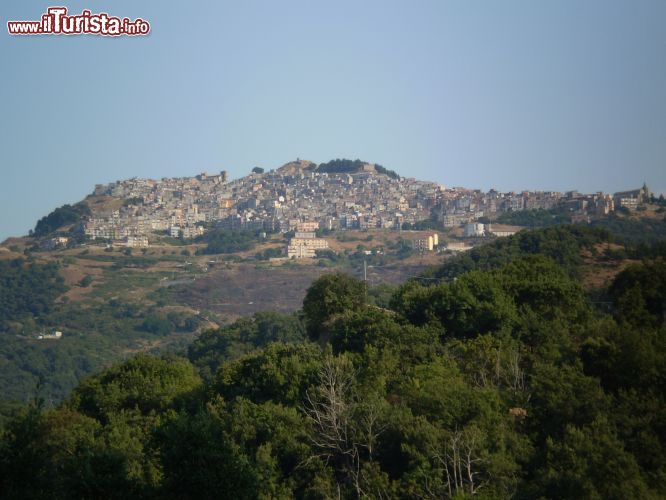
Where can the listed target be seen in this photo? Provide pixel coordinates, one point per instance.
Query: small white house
(53, 334)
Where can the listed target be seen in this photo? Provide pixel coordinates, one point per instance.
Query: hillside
(111, 303)
(493, 375)
(296, 167)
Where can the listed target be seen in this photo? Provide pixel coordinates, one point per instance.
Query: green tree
(144, 383)
(590, 462)
(328, 296)
(85, 281)
(61, 216)
(279, 373)
(210, 349)
(639, 293)
(201, 460)
(28, 288)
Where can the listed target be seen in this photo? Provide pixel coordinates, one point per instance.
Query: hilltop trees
(61, 216)
(341, 166)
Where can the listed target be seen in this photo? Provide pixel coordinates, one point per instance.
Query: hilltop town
(306, 198)
(142, 265)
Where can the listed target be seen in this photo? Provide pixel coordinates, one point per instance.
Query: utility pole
(365, 278)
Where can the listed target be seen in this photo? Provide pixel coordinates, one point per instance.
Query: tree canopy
(27, 288)
(505, 382)
(61, 216)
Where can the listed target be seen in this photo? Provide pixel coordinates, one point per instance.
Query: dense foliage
(94, 336)
(634, 231)
(534, 218)
(27, 288)
(382, 170)
(329, 296)
(343, 166)
(214, 347)
(563, 244)
(61, 216)
(503, 383)
(223, 241)
(269, 253)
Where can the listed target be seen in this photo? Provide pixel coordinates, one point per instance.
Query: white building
(305, 245)
(474, 229)
(426, 243)
(300, 252)
(503, 230)
(136, 241)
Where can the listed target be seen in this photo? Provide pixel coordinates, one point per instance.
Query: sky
(511, 95)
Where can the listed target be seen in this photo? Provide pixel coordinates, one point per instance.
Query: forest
(494, 375)
(27, 288)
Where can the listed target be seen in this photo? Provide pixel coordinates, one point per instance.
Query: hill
(337, 166)
(296, 167)
(343, 166)
(112, 302)
(502, 379)
(61, 217)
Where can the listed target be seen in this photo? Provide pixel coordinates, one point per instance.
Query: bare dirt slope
(246, 289)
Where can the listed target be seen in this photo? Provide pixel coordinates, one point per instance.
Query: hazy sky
(514, 95)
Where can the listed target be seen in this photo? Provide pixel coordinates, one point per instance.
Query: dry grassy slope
(7, 254)
(651, 212)
(13, 248)
(295, 167)
(598, 272)
(244, 289)
(230, 289)
(103, 204)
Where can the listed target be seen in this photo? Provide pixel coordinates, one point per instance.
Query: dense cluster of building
(464, 206)
(296, 197)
